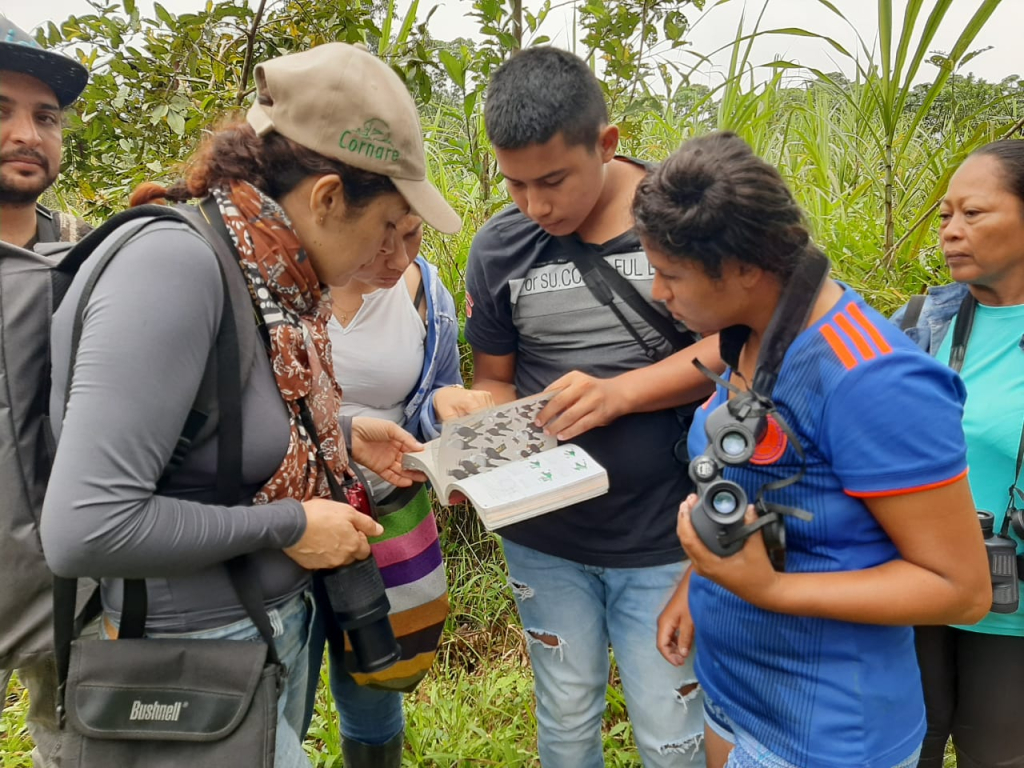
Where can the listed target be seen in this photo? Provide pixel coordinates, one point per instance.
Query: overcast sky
(715, 28)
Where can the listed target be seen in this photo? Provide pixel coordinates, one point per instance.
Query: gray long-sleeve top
(148, 330)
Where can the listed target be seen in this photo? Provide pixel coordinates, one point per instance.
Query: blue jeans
(367, 715)
(291, 622)
(750, 753)
(571, 613)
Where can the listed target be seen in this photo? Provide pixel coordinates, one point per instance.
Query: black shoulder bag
(604, 281)
(164, 703)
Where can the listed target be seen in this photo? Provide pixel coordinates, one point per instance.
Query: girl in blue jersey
(974, 676)
(813, 666)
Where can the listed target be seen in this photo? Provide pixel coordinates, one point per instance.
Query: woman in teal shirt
(974, 676)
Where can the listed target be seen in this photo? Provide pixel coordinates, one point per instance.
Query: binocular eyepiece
(720, 508)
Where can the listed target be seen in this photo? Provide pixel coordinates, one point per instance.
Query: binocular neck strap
(776, 485)
(1014, 491)
(790, 317)
(962, 332)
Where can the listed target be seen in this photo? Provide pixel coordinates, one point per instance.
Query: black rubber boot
(358, 755)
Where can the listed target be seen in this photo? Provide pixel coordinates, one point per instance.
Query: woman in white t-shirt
(394, 335)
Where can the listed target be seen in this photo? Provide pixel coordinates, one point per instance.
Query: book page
(543, 478)
(426, 462)
(487, 439)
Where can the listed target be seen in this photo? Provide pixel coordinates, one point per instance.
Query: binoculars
(733, 430)
(1002, 565)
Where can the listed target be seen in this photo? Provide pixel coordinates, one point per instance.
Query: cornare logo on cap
(372, 140)
(12, 37)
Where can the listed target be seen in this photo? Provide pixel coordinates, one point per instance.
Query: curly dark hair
(273, 164)
(713, 199)
(1010, 154)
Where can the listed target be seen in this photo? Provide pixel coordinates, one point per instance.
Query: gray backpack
(32, 285)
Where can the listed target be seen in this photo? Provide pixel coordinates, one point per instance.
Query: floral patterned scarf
(286, 293)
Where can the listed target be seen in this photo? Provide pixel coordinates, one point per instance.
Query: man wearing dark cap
(35, 87)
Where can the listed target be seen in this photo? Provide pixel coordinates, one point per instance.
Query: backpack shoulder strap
(962, 332)
(913, 313)
(47, 229)
(603, 281)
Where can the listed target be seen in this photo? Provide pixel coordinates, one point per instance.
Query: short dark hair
(539, 93)
(1010, 154)
(713, 199)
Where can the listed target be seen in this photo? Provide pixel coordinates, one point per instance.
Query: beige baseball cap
(341, 101)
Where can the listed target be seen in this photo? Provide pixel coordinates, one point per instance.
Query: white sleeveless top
(378, 358)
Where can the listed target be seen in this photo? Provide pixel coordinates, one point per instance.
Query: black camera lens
(360, 604)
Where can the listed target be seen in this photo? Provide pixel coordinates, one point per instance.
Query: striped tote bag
(409, 557)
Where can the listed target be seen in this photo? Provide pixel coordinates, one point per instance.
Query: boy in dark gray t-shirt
(598, 572)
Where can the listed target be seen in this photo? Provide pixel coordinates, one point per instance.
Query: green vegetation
(868, 155)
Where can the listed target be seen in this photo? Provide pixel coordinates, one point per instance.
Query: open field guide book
(506, 466)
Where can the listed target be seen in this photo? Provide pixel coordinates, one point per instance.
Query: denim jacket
(441, 361)
(940, 307)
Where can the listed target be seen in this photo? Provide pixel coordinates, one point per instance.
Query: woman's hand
(675, 625)
(748, 574)
(452, 402)
(379, 445)
(336, 534)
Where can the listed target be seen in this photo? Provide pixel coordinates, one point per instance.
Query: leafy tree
(157, 83)
(965, 100)
(622, 33)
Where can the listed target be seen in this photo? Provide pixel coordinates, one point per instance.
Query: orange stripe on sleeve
(838, 346)
(861, 319)
(865, 349)
(905, 491)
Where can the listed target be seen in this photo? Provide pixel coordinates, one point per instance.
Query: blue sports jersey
(875, 417)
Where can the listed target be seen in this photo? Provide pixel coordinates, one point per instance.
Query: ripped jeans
(571, 613)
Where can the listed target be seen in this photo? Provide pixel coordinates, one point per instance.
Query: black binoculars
(733, 430)
(1002, 565)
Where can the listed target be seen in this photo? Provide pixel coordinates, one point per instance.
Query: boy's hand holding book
(579, 402)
